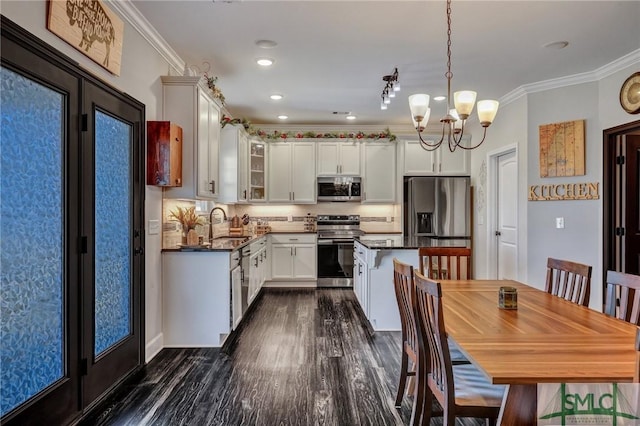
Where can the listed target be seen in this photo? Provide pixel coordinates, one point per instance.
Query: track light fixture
(391, 87)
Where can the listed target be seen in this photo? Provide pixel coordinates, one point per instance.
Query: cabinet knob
(213, 186)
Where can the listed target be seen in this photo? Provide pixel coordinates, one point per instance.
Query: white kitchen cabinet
(420, 162)
(257, 265)
(361, 278)
(374, 285)
(257, 171)
(187, 102)
(234, 171)
(338, 158)
(293, 257)
(196, 289)
(292, 172)
(379, 177)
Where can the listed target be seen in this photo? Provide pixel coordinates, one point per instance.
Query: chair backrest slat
(403, 284)
(636, 376)
(569, 280)
(445, 263)
(623, 296)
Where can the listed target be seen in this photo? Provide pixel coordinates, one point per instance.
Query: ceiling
(331, 55)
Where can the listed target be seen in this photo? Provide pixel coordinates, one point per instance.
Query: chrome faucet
(224, 218)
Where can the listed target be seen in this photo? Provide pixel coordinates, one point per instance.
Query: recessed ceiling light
(350, 117)
(439, 98)
(276, 97)
(283, 117)
(557, 45)
(266, 44)
(264, 62)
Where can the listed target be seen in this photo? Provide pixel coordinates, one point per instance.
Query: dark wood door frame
(609, 188)
(24, 52)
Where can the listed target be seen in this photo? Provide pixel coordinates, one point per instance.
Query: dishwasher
(236, 289)
(246, 275)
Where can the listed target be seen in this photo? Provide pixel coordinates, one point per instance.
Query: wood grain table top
(546, 340)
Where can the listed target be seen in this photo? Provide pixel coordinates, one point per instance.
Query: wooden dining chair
(569, 280)
(461, 390)
(622, 300)
(636, 376)
(445, 263)
(403, 283)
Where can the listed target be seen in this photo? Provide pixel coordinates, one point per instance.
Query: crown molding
(133, 16)
(570, 80)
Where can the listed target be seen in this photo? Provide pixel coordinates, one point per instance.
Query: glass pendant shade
(423, 124)
(463, 101)
(419, 105)
(487, 110)
(457, 125)
(396, 87)
(383, 106)
(392, 94)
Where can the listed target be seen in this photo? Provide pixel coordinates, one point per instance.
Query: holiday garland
(278, 135)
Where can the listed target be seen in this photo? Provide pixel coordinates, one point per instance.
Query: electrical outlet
(559, 222)
(290, 218)
(153, 227)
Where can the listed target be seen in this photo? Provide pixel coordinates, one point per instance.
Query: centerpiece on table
(189, 219)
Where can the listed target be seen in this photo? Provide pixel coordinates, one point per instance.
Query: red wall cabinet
(164, 153)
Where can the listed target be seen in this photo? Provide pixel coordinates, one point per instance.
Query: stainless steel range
(336, 234)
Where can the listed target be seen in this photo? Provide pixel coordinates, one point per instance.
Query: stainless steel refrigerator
(437, 207)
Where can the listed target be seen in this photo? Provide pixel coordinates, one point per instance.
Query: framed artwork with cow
(90, 27)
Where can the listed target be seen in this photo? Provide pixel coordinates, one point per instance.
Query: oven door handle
(325, 242)
(343, 241)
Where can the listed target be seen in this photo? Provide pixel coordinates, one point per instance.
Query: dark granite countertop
(412, 243)
(227, 243)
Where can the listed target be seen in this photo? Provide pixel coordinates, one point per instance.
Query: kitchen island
(373, 273)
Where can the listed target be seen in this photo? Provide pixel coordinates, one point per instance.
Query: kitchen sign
(90, 27)
(565, 191)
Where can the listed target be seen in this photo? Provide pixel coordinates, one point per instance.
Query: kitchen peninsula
(209, 288)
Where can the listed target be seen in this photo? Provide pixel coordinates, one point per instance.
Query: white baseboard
(154, 347)
(291, 284)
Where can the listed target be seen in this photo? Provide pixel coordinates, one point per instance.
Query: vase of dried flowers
(188, 219)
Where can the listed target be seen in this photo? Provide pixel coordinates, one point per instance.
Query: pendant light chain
(448, 74)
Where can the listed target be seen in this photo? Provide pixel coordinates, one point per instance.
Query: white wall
(509, 128)
(141, 69)
(517, 123)
(579, 241)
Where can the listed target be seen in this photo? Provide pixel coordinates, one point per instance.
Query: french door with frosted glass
(71, 210)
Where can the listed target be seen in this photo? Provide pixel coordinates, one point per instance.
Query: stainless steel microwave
(339, 188)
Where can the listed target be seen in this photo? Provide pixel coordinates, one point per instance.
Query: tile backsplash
(282, 218)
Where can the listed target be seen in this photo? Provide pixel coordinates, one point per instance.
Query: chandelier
(453, 123)
(390, 89)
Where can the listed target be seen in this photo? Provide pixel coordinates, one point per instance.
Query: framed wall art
(91, 27)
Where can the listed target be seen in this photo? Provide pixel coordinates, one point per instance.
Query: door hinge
(620, 231)
(83, 245)
(84, 122)
(84, 367)
(620, 159)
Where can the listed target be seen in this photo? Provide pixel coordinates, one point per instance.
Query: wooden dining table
(545, 340)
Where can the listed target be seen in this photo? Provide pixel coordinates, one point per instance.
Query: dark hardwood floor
(302, 357)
